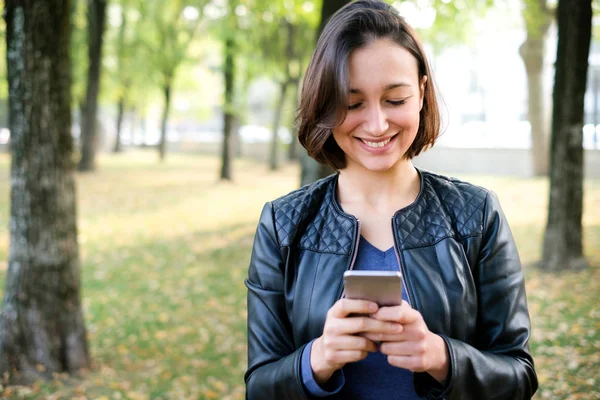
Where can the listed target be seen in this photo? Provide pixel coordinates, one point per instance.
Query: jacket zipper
(355, 252)
(408, 292)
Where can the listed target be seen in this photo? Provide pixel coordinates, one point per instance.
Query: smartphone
(381, 287)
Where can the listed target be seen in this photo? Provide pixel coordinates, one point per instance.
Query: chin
(379, 165)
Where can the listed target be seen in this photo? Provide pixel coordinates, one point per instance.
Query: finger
(385, 337)
(403, 348)
(344, 307)
(403, 314)
(345, 356)
(349, 342)
(354, 325)
(414, 364)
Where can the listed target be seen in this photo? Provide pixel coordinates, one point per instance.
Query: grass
(165, 250)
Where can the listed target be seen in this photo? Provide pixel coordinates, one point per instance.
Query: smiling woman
(368, 107)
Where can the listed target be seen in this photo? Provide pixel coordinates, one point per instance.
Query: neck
(398, 186)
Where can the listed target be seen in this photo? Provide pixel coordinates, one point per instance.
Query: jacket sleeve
(500, 365)
(273, 362)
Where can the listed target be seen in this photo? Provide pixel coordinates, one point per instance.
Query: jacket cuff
(428, 387)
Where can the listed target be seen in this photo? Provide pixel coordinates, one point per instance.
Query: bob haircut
(324, 96)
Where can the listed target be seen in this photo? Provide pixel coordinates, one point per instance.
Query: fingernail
(372, 307)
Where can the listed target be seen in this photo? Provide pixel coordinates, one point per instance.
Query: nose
(375, 123)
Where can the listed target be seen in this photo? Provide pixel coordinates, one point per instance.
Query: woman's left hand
(415, 348)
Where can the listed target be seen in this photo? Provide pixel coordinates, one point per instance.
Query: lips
(376, 146)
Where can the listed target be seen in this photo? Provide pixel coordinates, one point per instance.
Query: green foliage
(126, 63)
(79, 54)
(169, 26)
(287, 36)
(537, 16)
(453, 19)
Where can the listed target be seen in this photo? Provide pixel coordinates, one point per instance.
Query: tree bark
(42, 329)
(96, 21)
(228, 115)
(537, 21)
(311, 170)
(563, 248)
(273, 159)
(162, 145)
(120, 110)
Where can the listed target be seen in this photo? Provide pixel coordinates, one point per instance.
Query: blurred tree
(538, 18)
(123, 72)
(127, 65)
(293, 148)
(286, 43)
(3, 80)
(563, 239)
(42, 329)
(95, 21)
(234, 25)
(228, 113)
(169, 27)
(312, 170)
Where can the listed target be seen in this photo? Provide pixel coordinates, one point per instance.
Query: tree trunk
(239, 150)
(563, 247)
(121, 108)
(537, 18)
(142, 121)
(329, 8)
(122, 81)
(293, 149)
(273, 159)
(228, 115)
(162, 145)
(42, 329)
(532, 53)
(311, 170)
(96, 19)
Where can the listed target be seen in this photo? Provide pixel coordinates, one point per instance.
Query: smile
(376, 145)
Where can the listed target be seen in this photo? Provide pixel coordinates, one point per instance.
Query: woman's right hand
(341, 342)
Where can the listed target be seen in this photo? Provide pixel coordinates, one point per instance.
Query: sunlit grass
(165, 249)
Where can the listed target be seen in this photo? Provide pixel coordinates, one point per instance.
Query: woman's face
(384, 102)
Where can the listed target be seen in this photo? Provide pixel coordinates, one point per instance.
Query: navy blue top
(373, 377)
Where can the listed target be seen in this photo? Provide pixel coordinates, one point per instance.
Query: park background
(166, 217)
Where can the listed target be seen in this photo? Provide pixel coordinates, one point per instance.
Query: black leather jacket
(460, 266)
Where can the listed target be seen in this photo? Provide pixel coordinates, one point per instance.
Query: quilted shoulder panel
(445, 208)
(306, 218)
(329, 231)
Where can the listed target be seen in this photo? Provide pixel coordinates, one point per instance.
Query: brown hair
(324, 102)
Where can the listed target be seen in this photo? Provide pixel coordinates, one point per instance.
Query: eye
(354, 106)
(397, 102)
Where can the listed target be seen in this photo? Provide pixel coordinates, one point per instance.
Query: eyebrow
(388, 87)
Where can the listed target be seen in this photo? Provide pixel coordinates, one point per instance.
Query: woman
(368, 107)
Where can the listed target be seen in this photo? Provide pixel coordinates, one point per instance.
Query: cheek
(408, 118)
(342, 132)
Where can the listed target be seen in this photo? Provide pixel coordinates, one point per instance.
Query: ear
(422, 90)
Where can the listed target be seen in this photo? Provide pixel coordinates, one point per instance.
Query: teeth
(376, 144)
